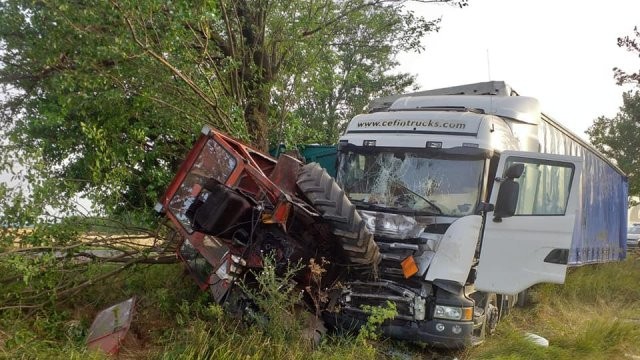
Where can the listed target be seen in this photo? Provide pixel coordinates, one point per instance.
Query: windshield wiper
(436, 207)
(363, 205)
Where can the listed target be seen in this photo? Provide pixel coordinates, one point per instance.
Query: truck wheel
(487, 309)
(493, 315)
(326, 196)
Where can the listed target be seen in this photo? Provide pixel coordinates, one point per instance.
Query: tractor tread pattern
(326, 196)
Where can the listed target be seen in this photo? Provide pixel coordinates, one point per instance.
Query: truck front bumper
(435, 332)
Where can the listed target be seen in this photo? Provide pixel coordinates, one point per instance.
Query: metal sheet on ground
(111, 326)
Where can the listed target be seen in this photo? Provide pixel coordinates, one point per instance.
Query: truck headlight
(453, 313)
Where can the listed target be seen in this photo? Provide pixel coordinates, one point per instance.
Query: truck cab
(466, 211)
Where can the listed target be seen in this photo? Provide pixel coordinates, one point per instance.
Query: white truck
(473, 195)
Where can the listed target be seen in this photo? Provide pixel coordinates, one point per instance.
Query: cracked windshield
(412, 182)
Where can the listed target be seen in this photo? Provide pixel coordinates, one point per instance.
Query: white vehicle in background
(633, 236)
(473, 195)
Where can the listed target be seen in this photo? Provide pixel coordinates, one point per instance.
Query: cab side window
(544, 186)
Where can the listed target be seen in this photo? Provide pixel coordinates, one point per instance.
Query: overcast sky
(559, 51)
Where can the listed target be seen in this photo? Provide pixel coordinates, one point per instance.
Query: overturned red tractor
(234, 205)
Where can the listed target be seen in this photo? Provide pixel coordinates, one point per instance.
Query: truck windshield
(431, 183)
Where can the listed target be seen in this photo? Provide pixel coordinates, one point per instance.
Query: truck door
(532, 246)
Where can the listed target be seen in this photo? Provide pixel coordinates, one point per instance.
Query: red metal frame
(254, 173)
(251, 162)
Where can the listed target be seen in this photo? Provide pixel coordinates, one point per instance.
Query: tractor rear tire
(326, 196)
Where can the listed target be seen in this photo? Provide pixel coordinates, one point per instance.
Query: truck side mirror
(507, 200)
(514, 171)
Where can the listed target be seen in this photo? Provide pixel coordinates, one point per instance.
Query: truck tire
(488, 307)
(326, 196)
(492, 311)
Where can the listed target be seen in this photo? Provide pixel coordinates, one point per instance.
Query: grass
(60, 331)
(595, 315)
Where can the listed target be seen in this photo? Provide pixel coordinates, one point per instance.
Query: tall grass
(175, 320)
(278, 334)
(595, 315)
(224, 340)
(59, 331)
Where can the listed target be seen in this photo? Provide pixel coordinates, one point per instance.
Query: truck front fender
(454, 256)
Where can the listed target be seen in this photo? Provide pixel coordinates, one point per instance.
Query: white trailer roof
(520, 108)
(499, 88)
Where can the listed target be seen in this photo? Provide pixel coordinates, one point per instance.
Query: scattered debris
(537, 339)
(110, 327)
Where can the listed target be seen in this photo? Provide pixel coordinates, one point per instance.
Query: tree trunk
(256, 71)
(255, 115)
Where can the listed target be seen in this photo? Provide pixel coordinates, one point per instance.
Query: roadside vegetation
(100, 102)
(594, 315)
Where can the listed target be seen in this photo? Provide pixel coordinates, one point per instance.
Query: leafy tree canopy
(105, 98)
(618, 137)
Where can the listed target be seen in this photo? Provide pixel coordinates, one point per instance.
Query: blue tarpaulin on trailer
(600, 231)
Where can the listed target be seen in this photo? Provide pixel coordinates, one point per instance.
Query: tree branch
(194, 87)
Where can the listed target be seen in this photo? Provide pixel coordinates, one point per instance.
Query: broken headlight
(453, 313)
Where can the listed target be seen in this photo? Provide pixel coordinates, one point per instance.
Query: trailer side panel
(601, 230)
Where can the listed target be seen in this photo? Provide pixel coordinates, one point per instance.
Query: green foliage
(377, 315)
(86, 111)
(59, 331)
(104, 98)
(333, 86)
(276, 299)
(631, 44)
(370, 331)
(617, 138)
(55, 261)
